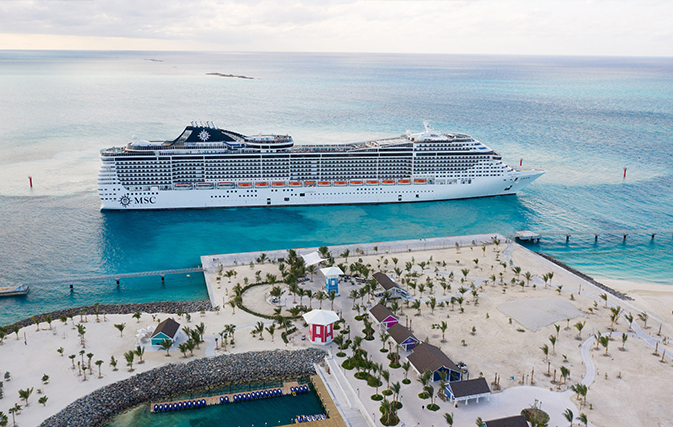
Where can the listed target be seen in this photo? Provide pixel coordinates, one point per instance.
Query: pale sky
(537, 27)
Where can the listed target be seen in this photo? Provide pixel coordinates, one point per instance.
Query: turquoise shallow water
(265, 412)
(581, 119)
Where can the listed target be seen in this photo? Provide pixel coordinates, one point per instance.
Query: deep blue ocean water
(582, 119)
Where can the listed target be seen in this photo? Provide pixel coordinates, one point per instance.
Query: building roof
(385, 281)
(320, 317)
(168, 327)
(469, 387)
(312, 258)
(381, 312)
(515, 421)
(400, 334)
(331, 271)
(428, 357)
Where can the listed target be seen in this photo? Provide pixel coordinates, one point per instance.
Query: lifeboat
(278, 184)
(404, 181)
(309, 183)
(340, 183)
(261, 184)
(225, 185)
(295, 184)
(356, 182)
(244, 185)
(420, 181)
(324, 183)
(372, 182)
(183, 186)
(388, 182)
(204, 185)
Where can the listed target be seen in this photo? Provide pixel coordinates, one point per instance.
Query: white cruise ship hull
(507, 184)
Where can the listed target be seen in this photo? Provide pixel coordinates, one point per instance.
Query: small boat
(388, 182)
(372, 182)
(225, 185)
(183, 186)
(205, 185)
(340, 183)
(278, 184)
(324, 183)
(295, 184)
(420, 181)
(404, 181)
(356, 182)
(261, 184)
(309, 183)
(244, 185)
(8, 291)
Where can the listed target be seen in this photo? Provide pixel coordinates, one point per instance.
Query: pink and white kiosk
(321, 326)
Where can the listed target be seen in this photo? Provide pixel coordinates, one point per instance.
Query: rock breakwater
(169, 380)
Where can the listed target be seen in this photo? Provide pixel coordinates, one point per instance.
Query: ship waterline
(207, 167)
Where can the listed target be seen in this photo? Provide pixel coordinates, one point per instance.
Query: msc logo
(127, 201)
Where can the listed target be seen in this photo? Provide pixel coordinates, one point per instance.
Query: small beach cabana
(312, 258)
(427, 357)
(332, 279)
(515, 421)
(393, 289)
(321, 326)
(168, 329)
(383, 316)
(403, 337)
(463, 391)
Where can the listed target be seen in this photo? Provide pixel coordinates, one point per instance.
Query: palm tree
(429, 389)
(604, 297)
(89, 356)
(72, 359)
(629, 318)
(113, 363)
(644, 316)
(99, 363)
(545, 350)
(449, 418)
(479, 422)
(137, 316)
(140, 351)
(583, 419)
(517, 271)
(624, 338)
(465, 272)
(443, 326)
(395, 388)
(605, 341)
(386, 376)
(277, 292)
(405, 366)
(321, 296)
(25, 394)
(3, 419)
(565, 373)
(580, 326)
(81, 330)
(42, 401)
(129, 356)
(271, 329)
(615, 312)
(331, 297)
(417, 305)
(120, 327)
(13, 410)
(166, 344)
(568, 414)
(552, 339)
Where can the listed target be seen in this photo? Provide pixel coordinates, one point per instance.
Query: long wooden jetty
(526, 235)
(118, 276)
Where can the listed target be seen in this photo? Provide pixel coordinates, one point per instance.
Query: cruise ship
(209, 167)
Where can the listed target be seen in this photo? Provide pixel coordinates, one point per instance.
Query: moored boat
(8, 291)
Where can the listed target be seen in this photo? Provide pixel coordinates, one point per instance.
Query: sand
(480, 335)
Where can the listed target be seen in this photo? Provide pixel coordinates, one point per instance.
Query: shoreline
(169, 307)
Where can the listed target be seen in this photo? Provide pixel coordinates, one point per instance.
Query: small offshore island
(230, 75)
(511, 329)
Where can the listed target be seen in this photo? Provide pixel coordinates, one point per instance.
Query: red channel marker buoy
(30, 180)
(624, 172)
(520, 162)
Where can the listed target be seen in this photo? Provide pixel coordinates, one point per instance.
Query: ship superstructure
(210, 167)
